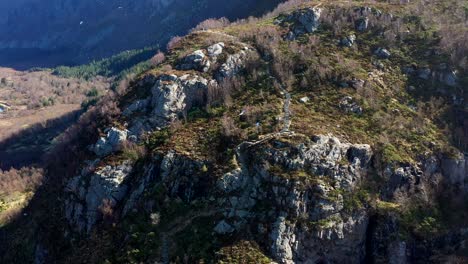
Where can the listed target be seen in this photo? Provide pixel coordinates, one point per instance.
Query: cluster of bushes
(22, 180)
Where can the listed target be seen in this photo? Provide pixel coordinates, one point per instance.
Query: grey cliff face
(90, 191)
(303, 219)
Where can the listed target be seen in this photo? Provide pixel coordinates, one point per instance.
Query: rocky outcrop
(442, 74)
(137, 106)
(402, 182)
(110, 143)
(172, 95)
(182, 176)
(215, 49)
(348, 105)
(348, 41)
(382, 53)
(197, 60)
(233, 65)
(362, 24)
(91, 191)
(301, 22)
(302, 215)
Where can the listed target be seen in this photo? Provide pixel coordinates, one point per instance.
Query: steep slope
(48, 33)
(321, 133)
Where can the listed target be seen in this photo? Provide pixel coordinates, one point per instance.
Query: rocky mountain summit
(299, 137)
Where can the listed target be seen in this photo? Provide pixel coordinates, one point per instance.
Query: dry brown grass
(27, 118)
(32, 90)
(16, 189)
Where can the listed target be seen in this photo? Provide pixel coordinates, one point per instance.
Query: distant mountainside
(54, 32)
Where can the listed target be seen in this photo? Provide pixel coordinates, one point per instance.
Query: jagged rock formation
(306, 214)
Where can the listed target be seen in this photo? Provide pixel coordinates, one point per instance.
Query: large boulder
(110, 143)
(349, 105)
(197, 60)
(382, 53)
(362, 24)
(301, 22)
(309, 18)
(215, 49)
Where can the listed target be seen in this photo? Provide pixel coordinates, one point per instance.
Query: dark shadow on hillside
(28, 146)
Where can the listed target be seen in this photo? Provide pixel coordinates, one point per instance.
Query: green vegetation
(157, 138)
(422, 220)
(357, 199)
(301, 175)
(120, 65)
(391, 155)
(242, 252)
(326, 222)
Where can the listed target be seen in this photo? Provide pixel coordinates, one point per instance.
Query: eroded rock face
(172, 95)
(186, 183)
(136, 106)
(112, 142)
(297, 185)
(90, 191)
(456, 170)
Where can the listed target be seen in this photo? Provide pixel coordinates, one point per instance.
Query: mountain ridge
(315, 134)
